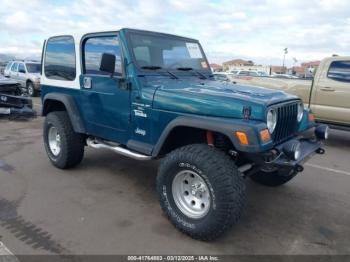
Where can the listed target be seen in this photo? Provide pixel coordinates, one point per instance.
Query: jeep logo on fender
(3, 98)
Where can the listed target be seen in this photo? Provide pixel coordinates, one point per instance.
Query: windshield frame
(164, 70)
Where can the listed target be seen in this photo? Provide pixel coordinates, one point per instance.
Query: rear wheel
(200, 190)
(273, 177)
(64, 147)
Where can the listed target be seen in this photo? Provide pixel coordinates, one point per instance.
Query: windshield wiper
(201, 76)
(151, 67)
(159, 67)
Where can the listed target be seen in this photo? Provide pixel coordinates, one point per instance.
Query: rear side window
(60, 58)
(14, 67)
(340, 71)
(94, 47)
(8, 66)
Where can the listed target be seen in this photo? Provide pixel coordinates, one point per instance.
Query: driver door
(105, 100)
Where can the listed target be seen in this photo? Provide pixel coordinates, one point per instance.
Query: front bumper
(17, 106)
(308, 148)
(278, 158)
(26, 112)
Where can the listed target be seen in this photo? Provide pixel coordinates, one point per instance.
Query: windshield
(33, 68)
(167, 53)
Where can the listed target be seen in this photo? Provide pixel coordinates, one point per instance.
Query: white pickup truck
(328, 95)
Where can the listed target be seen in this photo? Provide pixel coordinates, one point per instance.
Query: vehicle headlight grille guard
(287, 123)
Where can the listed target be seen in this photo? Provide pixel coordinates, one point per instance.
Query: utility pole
(285, 51)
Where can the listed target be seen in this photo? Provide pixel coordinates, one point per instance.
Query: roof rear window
(60, 58)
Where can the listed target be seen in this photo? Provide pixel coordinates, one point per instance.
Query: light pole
(285, 51)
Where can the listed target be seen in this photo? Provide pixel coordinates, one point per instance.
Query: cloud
(251, 29)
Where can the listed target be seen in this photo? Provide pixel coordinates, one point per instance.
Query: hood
(35, 75)
(213, 98)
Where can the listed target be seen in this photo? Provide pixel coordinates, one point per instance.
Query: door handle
(327, 89)
(87, 82)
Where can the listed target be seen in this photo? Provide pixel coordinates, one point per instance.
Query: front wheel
(30, 89)
(201, 191)
(274, 177)
(64, 147)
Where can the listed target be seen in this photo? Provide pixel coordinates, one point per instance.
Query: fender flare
(224, 126)
(71, 107)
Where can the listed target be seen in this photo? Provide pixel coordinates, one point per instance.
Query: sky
(256, 30)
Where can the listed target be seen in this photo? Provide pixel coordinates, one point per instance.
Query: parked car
(11, 104)
(263, 74)
(27, 73)
(328, 95)
(155, 98)
(246, 73)
(221, 76)
(284, 76)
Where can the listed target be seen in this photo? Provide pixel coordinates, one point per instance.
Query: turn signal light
(265, 135)
(311, 117)
(242, 137)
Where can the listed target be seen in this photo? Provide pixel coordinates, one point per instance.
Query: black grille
(286, 122)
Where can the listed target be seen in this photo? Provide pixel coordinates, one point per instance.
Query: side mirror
(107, 63)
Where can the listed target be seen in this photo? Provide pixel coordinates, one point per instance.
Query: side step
(117, 149)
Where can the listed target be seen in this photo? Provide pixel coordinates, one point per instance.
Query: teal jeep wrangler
(148, 95)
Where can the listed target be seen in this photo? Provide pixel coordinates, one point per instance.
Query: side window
(340, 71)
(60, 58)
(8, 66)
(94, 47)
(14, 67)
(21, 68)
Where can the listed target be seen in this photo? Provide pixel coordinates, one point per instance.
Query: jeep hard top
(148, 95)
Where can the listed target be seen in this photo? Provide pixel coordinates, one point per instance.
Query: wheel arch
(62, 102)
(29, 81)
(175, 134)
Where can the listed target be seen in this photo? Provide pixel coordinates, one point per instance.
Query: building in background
(240, 64)
(310, 67)
(298, 71)
(306, 69)
(235, 64)
(215, 67)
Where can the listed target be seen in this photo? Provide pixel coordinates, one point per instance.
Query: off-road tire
(72, 143)
(30, 89)
(227, 190)
(273, 179)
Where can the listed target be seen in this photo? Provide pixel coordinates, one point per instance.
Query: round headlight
(271, 120)
(300, 111)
